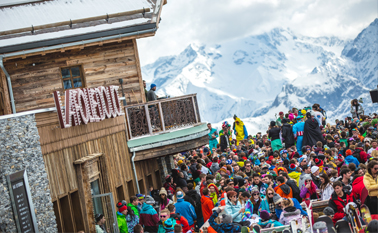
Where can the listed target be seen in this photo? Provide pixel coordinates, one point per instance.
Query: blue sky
(215, 21)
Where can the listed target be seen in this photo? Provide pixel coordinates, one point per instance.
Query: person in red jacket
(357, 186)
(340, 197)
(179, 219)
(206, 204)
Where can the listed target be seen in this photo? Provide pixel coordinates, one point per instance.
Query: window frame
(81, 76)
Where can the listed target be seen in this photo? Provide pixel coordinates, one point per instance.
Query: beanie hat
(149, 200)
(277, 198)
(280, 113)
(272, 123)
(264, 215)
(372, 227)
(163, 191)
(255, 189)
(179, 162)
(140, 196)
(348, 152)
(318, 162)
(300, 159)
(153, 85)
(306, 177)
(168, 224)
(224, 169)
(314, 169)
(179, 195)
(303, 112)
(121, 206)
(328, 211)
(226, 218)
(292, 167)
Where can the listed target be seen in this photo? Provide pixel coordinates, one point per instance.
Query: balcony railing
(163, 115)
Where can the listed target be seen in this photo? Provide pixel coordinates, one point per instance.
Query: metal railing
(163, 115)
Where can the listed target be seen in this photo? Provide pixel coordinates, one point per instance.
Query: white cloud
(184, 22)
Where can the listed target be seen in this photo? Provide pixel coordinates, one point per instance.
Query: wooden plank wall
(61, 147)
(35, 78)
(147, 168)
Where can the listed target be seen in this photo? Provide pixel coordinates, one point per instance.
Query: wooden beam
(75, 21)
(6, 99)
(137, 62)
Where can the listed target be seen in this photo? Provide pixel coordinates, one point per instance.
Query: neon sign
(87, 105)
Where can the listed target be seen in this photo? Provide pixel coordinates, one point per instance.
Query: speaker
(374, 95)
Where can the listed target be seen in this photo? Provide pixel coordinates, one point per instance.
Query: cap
(314, 169)
(179, 195)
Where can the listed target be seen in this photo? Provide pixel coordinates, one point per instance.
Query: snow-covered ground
(258, 76)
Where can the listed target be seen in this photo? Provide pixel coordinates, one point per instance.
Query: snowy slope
(258, 76)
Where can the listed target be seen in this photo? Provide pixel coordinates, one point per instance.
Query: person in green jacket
(166, 223)
(121, 217)
(134, 201)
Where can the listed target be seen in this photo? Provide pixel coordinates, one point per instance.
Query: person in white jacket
(326, 187)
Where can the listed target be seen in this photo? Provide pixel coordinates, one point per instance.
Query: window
(72, 77)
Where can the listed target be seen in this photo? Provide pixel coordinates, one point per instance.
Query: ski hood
(290, 211)
(285, 188)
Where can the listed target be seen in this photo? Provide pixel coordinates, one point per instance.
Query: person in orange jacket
(279, 167)
(283, 189)
(206, 204)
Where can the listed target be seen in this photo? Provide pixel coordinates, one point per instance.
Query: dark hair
(326, 181)
(285, 175)
(245, 194)
(133, 198)
(177, 228)
(280, 179)
(138, 229)
(352, 167)
(205, 191)
(171, 207)
(190, 186)
(163, 201)
(344, 171)
(255, 175)
(130, 212)
(370, 166)
(337, 183)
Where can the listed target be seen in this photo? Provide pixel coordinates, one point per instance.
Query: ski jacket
(161, 227)
(352, 159)
(288, 135)
(240, 130)
(122, 224)
(134, 208)
(132, 222)
(182, 221)
(211, 133)
(186, 210)
(223, 227)
(295, 176)
(290, 213)
(284, 191)
(207, 207)
(371, 185)
(327, 192)
(338, 204)
(233, 210)
(357, 186)
(148, 218)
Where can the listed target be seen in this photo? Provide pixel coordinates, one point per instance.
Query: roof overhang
(178, 136)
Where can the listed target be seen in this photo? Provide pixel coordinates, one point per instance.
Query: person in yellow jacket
(239, 130)
(371, 184)
(293, 174)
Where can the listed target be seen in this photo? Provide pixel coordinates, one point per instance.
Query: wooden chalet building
(59, 45)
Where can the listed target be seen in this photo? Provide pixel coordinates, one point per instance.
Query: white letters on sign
(87, 105)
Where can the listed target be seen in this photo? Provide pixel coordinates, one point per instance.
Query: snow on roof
(55, 11)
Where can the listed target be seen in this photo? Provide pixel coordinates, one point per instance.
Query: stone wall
(20, 149)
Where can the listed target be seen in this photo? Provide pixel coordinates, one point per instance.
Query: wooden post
(137, 62)
(128, 123)
(195, 109)
(161, 116)
(81, 190)
(148, 119)
(6, 99)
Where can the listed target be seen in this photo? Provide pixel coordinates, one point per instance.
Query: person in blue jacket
(298, 129)
(213, 135)
(185, 209)
(350, 158)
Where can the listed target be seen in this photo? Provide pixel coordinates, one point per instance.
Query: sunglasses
(248, 166)
(163, 216)
(269, 194)
(375, 169)
(255, 194)
(231, 184)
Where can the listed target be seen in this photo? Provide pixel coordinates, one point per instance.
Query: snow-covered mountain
(258, 76)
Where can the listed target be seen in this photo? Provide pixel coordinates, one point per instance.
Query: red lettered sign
(87, 105)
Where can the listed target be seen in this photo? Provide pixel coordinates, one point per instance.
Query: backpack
(356, 154)
(295, 189)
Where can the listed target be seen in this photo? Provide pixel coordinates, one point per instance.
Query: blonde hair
(287, 202)
(374, 154)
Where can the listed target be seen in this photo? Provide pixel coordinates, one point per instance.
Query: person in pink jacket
(290, 213)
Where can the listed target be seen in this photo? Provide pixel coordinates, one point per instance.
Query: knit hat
(205, 151)
(314, 169)
(292, 167)
(301, 159)
(277, 198)
(121, 206)
(283, 151)
(280, 113)
(372, 227)
(328, 211)
(318, 162)
(255, 189)
(149, 200)
(163, 191)
(168, 224)
(179, 195)
(348, 152)
(140, 196)
(307, 177)
(179, 162)
(264, 215)
(224, 169)
(153, 85)
(226, 218)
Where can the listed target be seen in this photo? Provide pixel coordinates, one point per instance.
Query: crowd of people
(262, 179)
